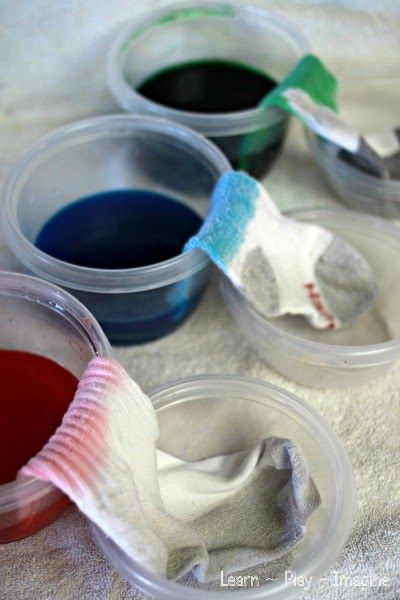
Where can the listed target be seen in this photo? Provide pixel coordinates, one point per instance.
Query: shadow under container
(109, 153)
(251, 139)
(40, 318)
(189, 414)
(370, 102)
(350, 356)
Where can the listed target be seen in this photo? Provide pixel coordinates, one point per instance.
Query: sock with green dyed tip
(309, 93)
(309, 76)
(282, 266)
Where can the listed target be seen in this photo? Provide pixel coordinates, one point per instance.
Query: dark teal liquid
(209, 86)
(125, 229)
(217, 86)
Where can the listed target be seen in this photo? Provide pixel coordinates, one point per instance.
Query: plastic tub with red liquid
(53, 336)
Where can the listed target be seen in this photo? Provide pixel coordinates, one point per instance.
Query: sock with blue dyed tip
(280, 265)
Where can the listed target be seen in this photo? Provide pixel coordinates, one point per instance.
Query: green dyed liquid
(217, 87)
(209, 86)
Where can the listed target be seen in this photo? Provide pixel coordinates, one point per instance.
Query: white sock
(280, 265)
(226, 512)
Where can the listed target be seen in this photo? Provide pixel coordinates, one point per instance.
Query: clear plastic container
(189, 412)
(370, 102)
(348, 356)
(108, 153)
(210, 30)
(40, 318)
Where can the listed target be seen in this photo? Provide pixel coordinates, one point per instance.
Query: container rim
(35, 290)
(100, 280)
(210, 124)
(321, 353)
(202, 386)
(355, 177)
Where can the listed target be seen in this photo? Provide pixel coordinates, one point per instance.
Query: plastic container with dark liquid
(40, 324)
(207, 66)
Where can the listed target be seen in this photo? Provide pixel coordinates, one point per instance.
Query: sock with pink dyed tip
(173, 517)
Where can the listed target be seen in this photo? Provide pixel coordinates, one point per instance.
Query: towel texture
(358, 36)
(283, 266)
(225, 513)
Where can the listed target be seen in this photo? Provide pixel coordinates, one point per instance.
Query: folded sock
(385, 144)
(171, 516)
(282, 266)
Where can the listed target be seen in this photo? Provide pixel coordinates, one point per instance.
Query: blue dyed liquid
(124, 229)
(120, 229)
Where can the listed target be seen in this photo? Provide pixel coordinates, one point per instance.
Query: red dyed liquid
(34, 396)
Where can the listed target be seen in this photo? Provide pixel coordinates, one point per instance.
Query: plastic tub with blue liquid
(104, 207)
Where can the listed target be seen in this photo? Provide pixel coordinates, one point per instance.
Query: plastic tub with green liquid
(207, 66)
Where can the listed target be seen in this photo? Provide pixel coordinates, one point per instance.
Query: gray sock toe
(346, 281)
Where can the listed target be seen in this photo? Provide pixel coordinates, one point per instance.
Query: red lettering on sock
(316, 301)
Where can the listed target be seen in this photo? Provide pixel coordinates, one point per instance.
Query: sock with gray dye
(384, 144)
(280, 265)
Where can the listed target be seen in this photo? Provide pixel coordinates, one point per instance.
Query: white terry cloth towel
(221, 513)
(282, 266)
